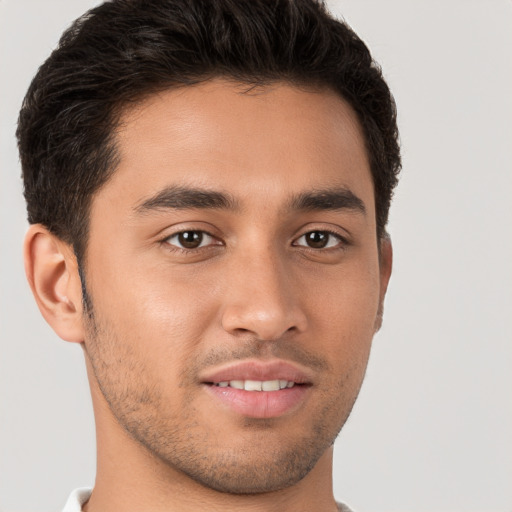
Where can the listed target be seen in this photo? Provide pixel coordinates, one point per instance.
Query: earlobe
(52, 272)
(386, 265)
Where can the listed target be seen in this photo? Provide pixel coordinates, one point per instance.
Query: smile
(259, 389)
(257, 385)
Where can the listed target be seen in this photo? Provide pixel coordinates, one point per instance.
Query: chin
(238, 478)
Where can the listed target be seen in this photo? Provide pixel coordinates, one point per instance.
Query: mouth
(259, 389)
(256, 385)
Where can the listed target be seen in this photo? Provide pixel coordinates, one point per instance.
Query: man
(208, 186)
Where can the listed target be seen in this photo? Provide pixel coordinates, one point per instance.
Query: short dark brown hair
(123, 50)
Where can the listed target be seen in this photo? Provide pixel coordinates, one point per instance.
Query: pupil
(317, 239)
(190, 239)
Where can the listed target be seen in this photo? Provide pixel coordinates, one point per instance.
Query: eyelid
(325, 227)
(341, 239)
(214, 242)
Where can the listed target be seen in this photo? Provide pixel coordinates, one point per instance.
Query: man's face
(234, 247)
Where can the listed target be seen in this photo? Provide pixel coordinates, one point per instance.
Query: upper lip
(258, 370)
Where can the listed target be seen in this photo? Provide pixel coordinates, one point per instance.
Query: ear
(386, 265)
(52, 272)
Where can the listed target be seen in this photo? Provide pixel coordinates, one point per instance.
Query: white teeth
(257, 385)
(270, 385)
(253, 385)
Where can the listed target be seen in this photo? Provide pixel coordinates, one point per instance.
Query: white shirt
(77, 498)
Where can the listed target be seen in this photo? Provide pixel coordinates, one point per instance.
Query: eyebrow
(182, 198)
(328, 199)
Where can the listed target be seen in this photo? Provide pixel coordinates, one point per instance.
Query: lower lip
(260, 404)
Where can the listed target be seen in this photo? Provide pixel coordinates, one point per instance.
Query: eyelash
(341, 245)
(186, 250)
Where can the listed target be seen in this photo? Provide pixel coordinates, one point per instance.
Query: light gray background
(432, 428)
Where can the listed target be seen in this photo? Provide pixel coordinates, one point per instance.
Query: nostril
(263, 325)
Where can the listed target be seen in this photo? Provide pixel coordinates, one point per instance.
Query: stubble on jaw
(184, 445)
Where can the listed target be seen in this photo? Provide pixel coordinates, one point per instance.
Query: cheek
(344, 311)
(158, 315)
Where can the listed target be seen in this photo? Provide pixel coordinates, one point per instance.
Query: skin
(253, 290)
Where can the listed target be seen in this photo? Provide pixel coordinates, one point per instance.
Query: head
(172, 150)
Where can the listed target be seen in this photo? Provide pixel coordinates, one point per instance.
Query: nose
(262, 298)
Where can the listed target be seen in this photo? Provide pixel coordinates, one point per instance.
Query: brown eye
(190, 239)
(319, 240)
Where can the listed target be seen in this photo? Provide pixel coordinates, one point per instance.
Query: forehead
(257, 144)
